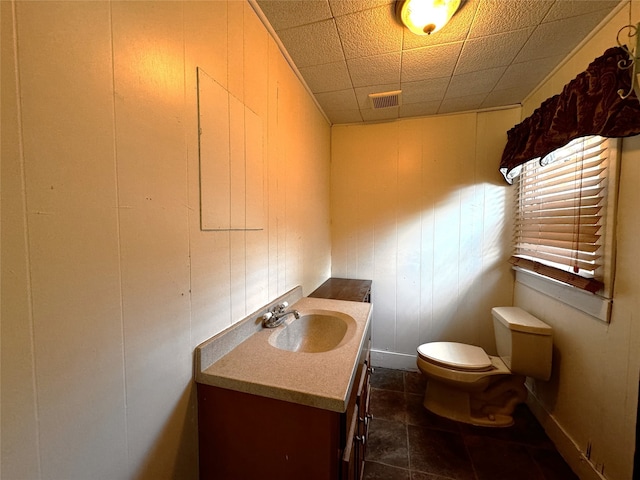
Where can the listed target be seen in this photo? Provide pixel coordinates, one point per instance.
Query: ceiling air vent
(385, 99)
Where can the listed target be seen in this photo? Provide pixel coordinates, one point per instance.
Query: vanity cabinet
(265, 413)
(358, 413)
(358, 418)
(245, 436)
(344, 289)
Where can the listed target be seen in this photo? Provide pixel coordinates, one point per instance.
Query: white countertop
(322, 380)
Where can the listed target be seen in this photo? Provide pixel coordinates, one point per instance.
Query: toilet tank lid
(517, 319)
(456, 355)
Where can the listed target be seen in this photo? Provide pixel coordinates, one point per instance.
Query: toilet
(467, 385)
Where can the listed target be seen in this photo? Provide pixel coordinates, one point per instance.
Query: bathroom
(109, 283)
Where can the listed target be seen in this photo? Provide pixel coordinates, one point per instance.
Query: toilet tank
(523, 342)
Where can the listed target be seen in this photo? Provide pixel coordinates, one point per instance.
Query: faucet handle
(267, 319)
(282, 306)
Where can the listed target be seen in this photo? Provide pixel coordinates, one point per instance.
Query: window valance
(588, 105)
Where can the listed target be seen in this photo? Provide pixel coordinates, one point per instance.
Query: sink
(315, 331)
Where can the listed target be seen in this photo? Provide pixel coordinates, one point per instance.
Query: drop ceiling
(492, 53)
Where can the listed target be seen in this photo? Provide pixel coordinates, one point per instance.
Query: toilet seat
(458, 356)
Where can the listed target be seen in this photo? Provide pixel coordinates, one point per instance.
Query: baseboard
(396, 361)
(565, 445)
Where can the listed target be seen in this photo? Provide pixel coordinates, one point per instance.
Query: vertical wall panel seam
(276, 172)
(25, 203)
(244, 233)
(119, 236)
(228, 232)
(420, 252)
(352, 240)
(187, 171)
(483, 212)
(244, 154)
(266, 148)
(433, 262)
(395, 214)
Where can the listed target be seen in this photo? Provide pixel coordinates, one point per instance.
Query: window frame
(565, 291)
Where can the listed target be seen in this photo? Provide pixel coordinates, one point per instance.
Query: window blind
(561, 204)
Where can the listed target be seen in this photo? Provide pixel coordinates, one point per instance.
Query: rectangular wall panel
(237, 164)
(254, 173)
(215, 167)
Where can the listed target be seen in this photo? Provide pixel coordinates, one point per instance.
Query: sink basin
(314, 332)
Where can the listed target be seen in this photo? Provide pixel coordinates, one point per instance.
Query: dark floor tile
(526, 430)
(387, 379)
(378, 471)
(500, 460)
(439, 453)
(428, 476)
(388, 405)
(430, 447)
(388, 443)
(421, 417)
(552, 465)
(415, 382)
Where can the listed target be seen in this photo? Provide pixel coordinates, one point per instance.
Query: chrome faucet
(276, 316)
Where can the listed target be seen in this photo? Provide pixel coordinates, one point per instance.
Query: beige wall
(418, 206)
(592, 396)
(108, 282)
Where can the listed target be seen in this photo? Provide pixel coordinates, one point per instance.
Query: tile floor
(407, 442)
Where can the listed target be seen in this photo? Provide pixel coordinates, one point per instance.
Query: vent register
(385, 99)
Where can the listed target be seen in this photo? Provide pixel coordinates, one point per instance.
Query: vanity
(288, 402)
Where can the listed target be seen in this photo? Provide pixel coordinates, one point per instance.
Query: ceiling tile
(362, 93)
(419, 109)
(511, 96)
(527, 73)
(340, 100)
(462, 104)
(430, 62)
(327, 78)
(293, 13)
(454, 31)
(375, 70)
(370, 32)
(557, 38)
(424, 90)
(497, 16)
(493, 51)
(371, 115)
(574, 8)
(474, 83)
(344, 116)
(314, 44)
(345, 7)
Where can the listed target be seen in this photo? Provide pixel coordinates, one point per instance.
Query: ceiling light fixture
(423, 17)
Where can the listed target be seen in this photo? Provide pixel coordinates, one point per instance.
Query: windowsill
(593, 305)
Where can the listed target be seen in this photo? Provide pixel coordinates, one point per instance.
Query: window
(565, 212)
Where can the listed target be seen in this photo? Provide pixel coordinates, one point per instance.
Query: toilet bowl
(467, 385)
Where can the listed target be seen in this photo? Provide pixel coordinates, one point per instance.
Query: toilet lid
(455, 355)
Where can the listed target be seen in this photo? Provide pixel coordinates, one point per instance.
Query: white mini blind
(561, 204)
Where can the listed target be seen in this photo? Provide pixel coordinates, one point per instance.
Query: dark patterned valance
(588, 105)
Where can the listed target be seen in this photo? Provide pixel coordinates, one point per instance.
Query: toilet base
(492, 407)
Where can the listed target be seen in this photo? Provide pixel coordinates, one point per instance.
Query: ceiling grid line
(492, 54)
(475, 13)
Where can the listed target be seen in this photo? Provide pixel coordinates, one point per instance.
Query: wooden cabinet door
(363, 420)
(247, 437)
(350, 461)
